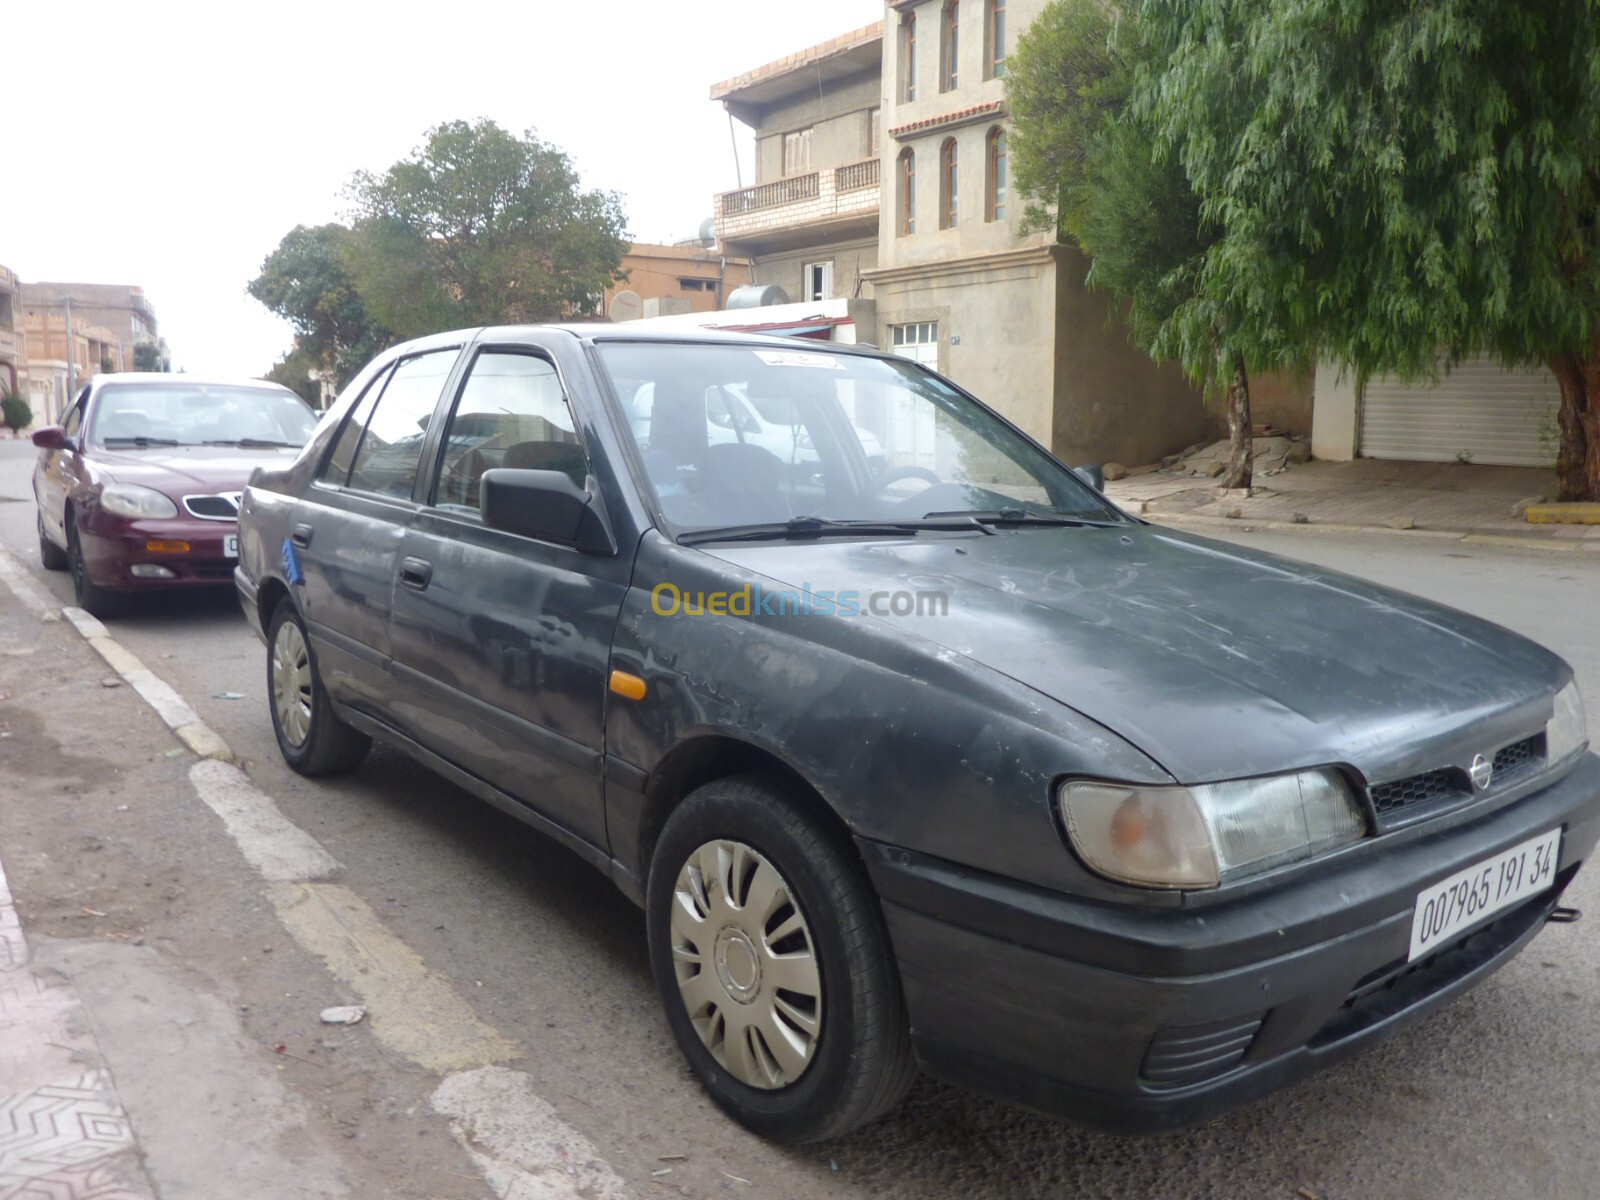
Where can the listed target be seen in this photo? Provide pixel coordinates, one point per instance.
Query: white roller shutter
(1479, 412)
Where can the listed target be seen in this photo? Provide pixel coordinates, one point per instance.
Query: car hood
(187, 470)
(1217, 662)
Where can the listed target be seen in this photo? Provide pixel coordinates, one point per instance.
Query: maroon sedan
(139, 487)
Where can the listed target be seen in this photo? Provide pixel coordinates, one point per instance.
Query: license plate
(230, 546)
(1483, 889)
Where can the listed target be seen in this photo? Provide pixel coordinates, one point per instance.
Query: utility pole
(70, 362)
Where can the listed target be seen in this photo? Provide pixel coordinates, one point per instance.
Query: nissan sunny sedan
(924, 758)
(138, 489)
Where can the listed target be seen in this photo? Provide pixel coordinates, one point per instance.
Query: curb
(1255, 524)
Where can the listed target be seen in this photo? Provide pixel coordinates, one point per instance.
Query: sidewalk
(1366, 494)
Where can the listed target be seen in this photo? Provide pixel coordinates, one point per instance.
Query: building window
(994, 37)
(908, 57)
(995, 186)
(908, 191)
(797, 152)
(949, 45)
(947, 184)
(918, 341)
(696, 285)
(818, 278)
(875, 133)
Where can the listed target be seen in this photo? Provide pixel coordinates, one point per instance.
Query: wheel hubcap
(291, 683)
(746, 966)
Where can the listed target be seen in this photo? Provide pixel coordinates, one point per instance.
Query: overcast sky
(171, 145)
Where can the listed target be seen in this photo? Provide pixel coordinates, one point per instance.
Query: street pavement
(200, 972)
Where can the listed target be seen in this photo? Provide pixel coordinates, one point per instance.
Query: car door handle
(415, 573)
(300, 535)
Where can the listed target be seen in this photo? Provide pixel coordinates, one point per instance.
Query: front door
(345, 534)
(501, 643)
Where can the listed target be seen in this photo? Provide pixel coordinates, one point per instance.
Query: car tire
(312, 738)
(51, 556)
(89, 596)
(802, 1063)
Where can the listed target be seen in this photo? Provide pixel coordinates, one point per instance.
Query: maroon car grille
(213, 508)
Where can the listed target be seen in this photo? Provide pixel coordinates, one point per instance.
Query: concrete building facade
(669, 280)
(882, 176)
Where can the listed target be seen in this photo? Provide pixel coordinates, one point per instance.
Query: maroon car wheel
(93, 599)
(51, 556)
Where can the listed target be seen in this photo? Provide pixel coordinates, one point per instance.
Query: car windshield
(182, 414)
(754, 435)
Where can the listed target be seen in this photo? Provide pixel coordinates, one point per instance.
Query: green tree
(479, 226)
(15, 412)
(1408, 184)
(1092, 166)
(294, 371)
(147, 356)
(309, 282)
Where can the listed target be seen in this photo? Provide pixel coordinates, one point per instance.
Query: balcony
(8, 344)
(829, 205)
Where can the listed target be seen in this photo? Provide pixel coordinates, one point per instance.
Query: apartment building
(881, 176)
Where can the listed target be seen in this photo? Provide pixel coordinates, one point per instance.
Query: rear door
(345, 534)
(501, 643)
(57, 473)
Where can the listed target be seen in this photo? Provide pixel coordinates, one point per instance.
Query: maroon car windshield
(182, 414)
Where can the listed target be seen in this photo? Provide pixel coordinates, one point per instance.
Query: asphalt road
(1493, 1097)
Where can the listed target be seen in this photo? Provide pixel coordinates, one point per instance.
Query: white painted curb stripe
(523, 1148)
(172, 708)
(274, 845)
(17, 580)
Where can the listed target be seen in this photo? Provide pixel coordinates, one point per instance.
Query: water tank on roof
(757, 295)
(708, 232)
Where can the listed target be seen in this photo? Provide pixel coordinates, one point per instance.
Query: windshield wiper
(141, 440)
(253, 443)
(818, 527)
(1019, 516)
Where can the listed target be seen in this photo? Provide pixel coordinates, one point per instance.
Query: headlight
(1196, 837)
(131, 500)
(1567, 732)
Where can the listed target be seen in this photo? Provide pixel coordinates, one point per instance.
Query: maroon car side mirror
(52, 437)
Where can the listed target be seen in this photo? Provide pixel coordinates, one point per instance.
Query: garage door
(1479, 412)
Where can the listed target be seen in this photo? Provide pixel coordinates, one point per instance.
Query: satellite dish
(625, 306)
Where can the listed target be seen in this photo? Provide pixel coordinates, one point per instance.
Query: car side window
(391, 445)
(511, 413)
(336, 467)
(74, 419)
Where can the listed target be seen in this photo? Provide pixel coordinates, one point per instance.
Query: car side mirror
(1091, 474)
(52, 437)
(546, 505)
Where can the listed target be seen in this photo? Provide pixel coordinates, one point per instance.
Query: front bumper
(1136, 1019)
(113, 546)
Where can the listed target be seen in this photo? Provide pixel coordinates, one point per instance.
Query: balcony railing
(771, 195)
(856, 175)
(762, 212)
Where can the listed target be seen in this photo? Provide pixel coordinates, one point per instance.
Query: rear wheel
(51, 556)
(773, 964)
(93, 599)
(313, 739)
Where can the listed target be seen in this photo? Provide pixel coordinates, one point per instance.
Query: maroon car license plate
(230, 546)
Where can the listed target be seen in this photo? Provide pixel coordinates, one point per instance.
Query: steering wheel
(896, 474)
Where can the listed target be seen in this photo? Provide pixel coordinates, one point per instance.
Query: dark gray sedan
(923, 757)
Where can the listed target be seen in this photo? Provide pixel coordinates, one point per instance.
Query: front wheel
(773, 964)
(312, 738)
(51, 556)
(93, 599)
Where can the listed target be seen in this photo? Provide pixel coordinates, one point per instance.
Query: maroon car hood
(187, 470)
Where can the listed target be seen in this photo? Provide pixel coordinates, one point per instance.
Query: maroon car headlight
(132, 500)
(1210, 833)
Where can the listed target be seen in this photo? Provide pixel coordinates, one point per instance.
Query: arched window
(949, 45)
(947, 184)
(908, 57)
(908, 191)
(995, 182)
(994, 39)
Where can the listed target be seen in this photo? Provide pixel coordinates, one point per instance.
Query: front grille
(224, 507)
(1418, 789)
(1508, 760)
(1189, 1053)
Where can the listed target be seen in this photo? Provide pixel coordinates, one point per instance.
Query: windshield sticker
(798, 358)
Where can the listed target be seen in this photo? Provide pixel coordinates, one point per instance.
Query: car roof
(170, 379)
(628, 331)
